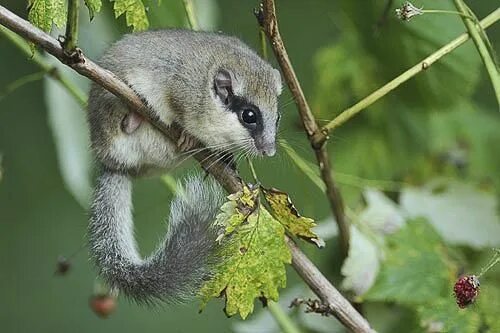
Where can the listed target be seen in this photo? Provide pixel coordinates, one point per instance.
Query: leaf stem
(439, 11)
(424, 64)
(263, 45)
(474, 32)
(190, 14)
(283, 320)
(493, 261)
(49, 70)
(21, 82)
(252, 170)
(71, 37)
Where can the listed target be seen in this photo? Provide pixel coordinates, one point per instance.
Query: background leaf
(416, 269)
(135, 13)
(444, 316)
(94, 6)
(461, 213)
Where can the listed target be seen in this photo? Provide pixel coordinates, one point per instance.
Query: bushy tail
(184, 259)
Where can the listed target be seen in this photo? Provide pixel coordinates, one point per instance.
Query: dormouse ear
(223, 85)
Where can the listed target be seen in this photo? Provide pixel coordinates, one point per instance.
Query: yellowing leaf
(135, 13)
(42, 13)
(255, 252)
(94, 6)
(287, 214)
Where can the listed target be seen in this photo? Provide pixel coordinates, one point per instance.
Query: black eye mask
(249, 115)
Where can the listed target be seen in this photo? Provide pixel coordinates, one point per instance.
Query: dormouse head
(247, 97)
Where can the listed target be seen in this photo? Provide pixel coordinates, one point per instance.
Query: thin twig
(488, 61)
(424, 64)
(266, 15)
(225, 176)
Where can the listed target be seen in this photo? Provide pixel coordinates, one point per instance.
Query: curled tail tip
(184, 260)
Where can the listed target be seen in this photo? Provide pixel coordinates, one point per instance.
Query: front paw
(186, 142)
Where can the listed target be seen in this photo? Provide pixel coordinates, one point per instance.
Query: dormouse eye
(249, 116)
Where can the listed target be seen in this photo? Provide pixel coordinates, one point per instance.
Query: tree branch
(321, 136)
(225, 176)
(266, 15)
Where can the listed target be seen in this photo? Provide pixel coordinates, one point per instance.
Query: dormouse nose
(266, 146)
(270, 150)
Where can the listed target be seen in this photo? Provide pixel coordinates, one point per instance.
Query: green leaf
(416, 269)
(286, 213)
(461, 213)
(42, 13)
(255, 252)
(135, 13)
(59, 13)
(94, 6)
(443, 315)
(488, 304)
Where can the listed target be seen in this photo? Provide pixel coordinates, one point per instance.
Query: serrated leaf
(256, 254)
(59, 13)
(42, 13)
(443, 315)
(416, 269)
(135, 13)
(94, 6)
(461, 213)
(287, 214)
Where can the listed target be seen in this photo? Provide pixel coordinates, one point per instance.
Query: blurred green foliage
(442, 123)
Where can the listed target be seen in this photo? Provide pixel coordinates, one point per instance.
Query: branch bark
(225, 176)
(266, 15)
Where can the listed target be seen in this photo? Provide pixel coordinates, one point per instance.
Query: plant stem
(493, 261)
(263, 45)
(49, 70)
(189, 8)
(266, 16)
(347, 114)
(71, 37)
(21, 82)
(474, 32)
(252, 170)
(285, 323)
(439, 11)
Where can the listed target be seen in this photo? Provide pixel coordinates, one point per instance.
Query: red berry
(102, 305)
(466, 290)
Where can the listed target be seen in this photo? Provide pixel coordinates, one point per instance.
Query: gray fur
(173, 71)
(182, 262)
